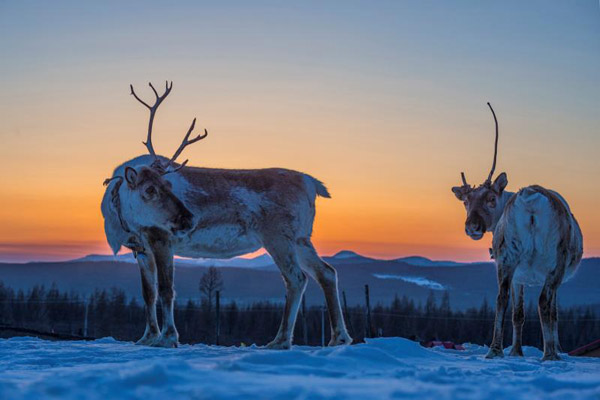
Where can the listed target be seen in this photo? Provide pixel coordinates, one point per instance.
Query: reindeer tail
(318, 186)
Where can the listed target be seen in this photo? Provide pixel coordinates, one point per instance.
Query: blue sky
(384, 101)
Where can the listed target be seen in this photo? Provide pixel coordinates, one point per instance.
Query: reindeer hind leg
(326, 277)
(518, 318)
(555, 322)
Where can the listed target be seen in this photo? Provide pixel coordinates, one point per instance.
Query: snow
(419, 261)
(345, 254)
(31, 368)
(417, 280)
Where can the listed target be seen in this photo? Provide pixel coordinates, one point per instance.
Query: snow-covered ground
(383, 368)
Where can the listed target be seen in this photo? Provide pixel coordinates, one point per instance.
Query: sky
(383, 101)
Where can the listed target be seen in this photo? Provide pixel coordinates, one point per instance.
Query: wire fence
(200, 320)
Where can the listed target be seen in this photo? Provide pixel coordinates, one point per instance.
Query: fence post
(218, 311)
(322, 326)
(85, 318)
(368, 322)
(347, 316)
(304, 327)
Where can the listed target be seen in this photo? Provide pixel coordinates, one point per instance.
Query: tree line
(112, 313)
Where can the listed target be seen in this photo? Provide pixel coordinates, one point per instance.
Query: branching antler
(186, 142)
(148, 143)
(159, 99)
(489, 179)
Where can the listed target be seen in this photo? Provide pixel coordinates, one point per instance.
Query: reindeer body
(534, 234)
(235, 212)
(537, 241)
(234, 209)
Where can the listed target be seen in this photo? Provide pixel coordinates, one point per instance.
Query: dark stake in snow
(159, 208)
(537, 241)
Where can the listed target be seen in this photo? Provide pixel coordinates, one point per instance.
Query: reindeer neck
(500, 208)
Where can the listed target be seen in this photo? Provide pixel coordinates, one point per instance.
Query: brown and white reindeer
(536, 241)
(159, 208)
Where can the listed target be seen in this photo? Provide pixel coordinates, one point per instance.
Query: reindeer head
(482, 202)
(148, 200)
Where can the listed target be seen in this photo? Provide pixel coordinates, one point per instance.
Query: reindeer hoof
(516, 352)
(165, 344)
(551, 357)
(278, 345)
(169, 342)
(148, 339)
(341, 340)
(494, 353)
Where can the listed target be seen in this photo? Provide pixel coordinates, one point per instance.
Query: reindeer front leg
(518, 318)
(160, 244)
(149, 292)
(504, 283)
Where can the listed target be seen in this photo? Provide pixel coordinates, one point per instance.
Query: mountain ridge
(467, 284)
(264, 260)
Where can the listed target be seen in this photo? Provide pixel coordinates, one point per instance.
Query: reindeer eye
(491, 201)
(150, 191)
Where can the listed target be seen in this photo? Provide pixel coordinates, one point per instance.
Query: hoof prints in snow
(383, 368)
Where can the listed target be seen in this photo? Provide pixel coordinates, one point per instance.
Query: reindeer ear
(131, 176)
(459, 192)
(500, 183)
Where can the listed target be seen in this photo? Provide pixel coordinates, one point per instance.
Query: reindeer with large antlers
(536, 241)
(159, 208)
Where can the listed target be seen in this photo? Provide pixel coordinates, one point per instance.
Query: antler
(489, 179)
(159, 99)
(462, 175)
(184, 143)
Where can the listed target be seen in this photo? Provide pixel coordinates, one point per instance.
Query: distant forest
(111, 313)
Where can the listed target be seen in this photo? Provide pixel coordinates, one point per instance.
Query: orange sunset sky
(383, 101)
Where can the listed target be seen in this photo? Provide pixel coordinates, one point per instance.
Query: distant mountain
(419, 261)
(257, 279)
(261, 261)
(348, 257)
(127, 257)
(265, 261)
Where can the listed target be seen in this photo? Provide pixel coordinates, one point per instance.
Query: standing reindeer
(158, 209)
(537, 241)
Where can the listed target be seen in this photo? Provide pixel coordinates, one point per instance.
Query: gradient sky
(383, 101)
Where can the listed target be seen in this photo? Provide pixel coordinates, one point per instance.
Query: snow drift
(382, 368)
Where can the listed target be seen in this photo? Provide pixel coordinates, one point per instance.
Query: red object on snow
(446, 345)
(589, 350)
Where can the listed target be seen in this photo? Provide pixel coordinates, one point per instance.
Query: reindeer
(536, 241)
(159, 208)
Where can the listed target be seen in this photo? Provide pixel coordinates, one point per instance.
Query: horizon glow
(384, 103)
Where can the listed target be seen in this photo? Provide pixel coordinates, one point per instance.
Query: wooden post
(347, 316)
(368, 333)
(304, 326)
(218, 311)
(85, 318)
